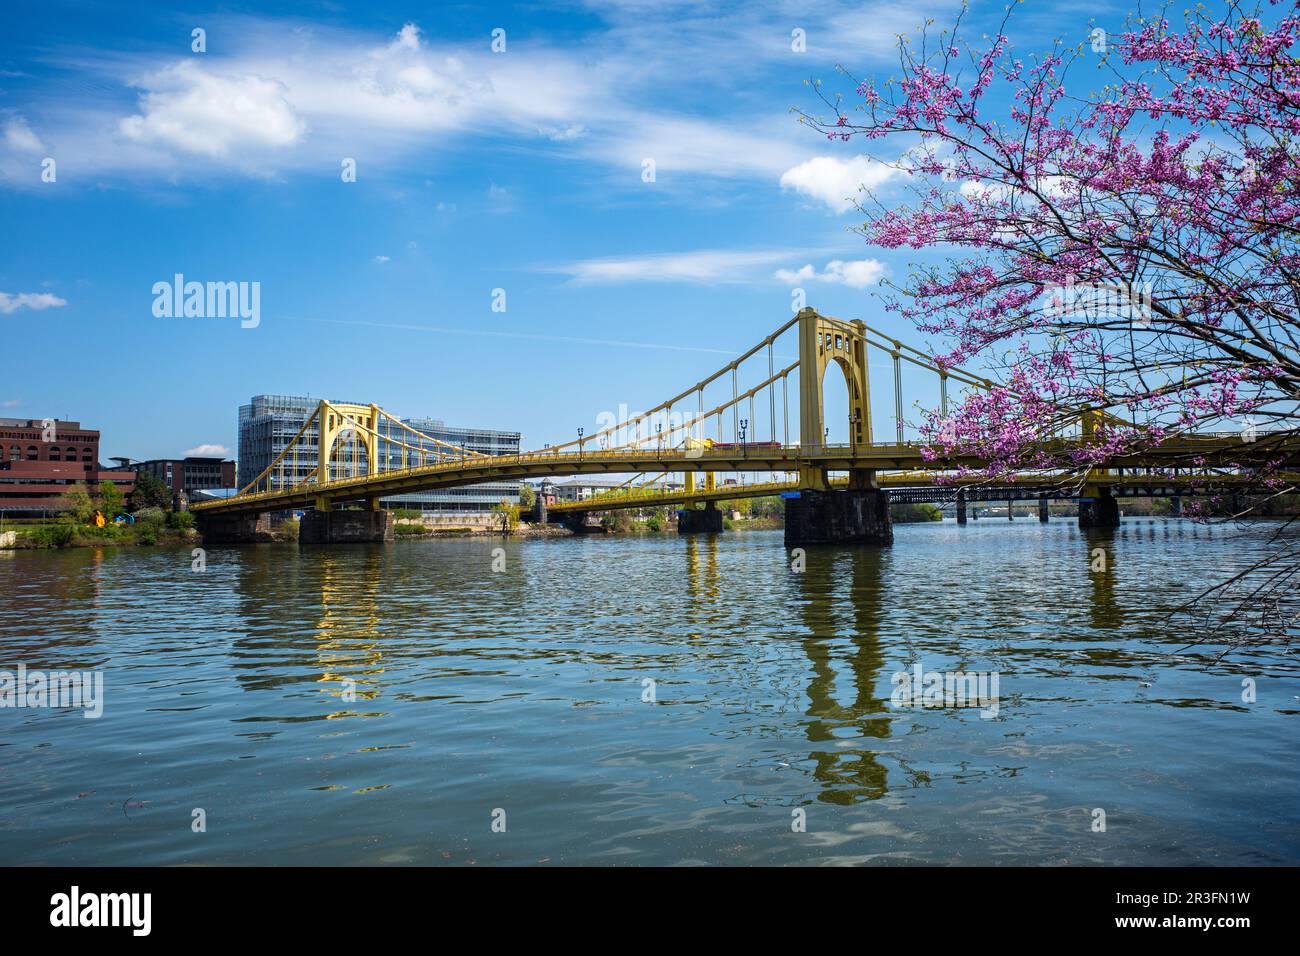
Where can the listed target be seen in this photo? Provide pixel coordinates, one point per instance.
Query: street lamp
(580, 444)
(744, 424)
(853, 431)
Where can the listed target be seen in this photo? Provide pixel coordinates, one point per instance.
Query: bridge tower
(342, 421)
(822, 515)
(824, 342)
(357, 425)
(1098, 509)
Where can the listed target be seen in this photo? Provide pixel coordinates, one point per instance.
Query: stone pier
(854, 516)
(1099, 510)
(578, 523)
(961, 507)
(706, 520)
(1044, 513)
(1176, 506)
(345, 527)
(233, 529)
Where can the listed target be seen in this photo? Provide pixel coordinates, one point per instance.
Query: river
(648, 700)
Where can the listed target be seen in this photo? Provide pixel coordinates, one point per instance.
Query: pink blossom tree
(1109, 225)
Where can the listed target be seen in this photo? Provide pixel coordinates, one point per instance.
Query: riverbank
(64, 535)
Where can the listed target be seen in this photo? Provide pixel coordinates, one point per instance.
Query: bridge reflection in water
(841, 602)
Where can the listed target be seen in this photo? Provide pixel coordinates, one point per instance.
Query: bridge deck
(1206, 450)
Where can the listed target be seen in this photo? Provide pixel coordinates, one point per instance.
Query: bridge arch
(836, 390)
(344, 427)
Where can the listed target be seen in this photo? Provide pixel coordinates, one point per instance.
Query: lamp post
(744, 425)
(580, 444)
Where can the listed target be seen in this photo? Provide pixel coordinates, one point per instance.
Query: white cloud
(836, 182)
(563, 134)
(684, 144)
(12, 302)
(710, 265)
(11, 403)
(207, 451)
(856, 274)
(19, 137)
(195, 111)
(381, 258)
(284, 95)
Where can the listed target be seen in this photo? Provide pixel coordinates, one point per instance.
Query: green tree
(77, 505)
(150, 492)
(111, 502)
(507, 514)
(527, 496)
(905, 513)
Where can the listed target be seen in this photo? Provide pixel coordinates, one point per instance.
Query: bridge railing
(623, 460)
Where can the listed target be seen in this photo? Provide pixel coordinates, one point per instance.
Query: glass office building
(268, 423)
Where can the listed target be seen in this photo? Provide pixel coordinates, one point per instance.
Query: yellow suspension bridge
(346, 455)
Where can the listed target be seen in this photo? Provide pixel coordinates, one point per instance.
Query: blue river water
(648, 699)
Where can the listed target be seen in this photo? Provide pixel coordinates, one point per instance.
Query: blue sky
(477, 170)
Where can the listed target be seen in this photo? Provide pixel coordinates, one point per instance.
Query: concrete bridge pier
(345, 527)
(852, 516)
(1043, 513)
(1176, 506)
(234, 529)
(578, 522)
(1099, 509)
(706, 520)
(961, 507)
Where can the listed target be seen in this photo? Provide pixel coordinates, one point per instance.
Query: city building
(268, 423)
(189, 475)
(40, 459)
(586, 486)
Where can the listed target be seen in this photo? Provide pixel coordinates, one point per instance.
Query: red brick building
(40, 459)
